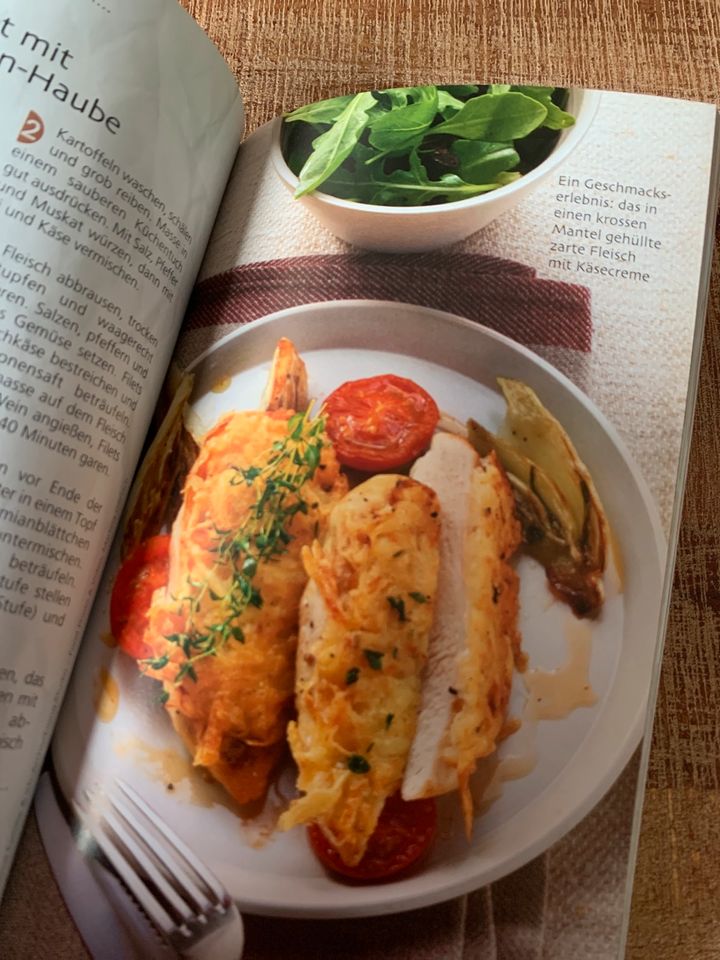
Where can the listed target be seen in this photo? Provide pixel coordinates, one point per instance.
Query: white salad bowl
(411, 229)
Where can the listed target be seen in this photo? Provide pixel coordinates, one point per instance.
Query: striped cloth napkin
(547, 315)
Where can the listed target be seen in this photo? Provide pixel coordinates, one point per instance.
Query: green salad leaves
(412, 146)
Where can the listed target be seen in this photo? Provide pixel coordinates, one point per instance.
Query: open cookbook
(340, 479)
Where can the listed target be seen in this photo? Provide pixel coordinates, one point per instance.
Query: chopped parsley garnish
(398, 605)
(388, 720)
(418, 597)
(352, 675)
(374, 658)
(358, 764)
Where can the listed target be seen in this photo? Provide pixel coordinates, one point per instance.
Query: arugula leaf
(481, 162)
(355, 180)
(537, 93)
(334, 146)
(413, 187)
(441, 143)
(502, 116)
(459, 89)
(399, 96)
(448, 105)
(347, 185)
(403, 128)
(324, 111)
(379, 110)
(557, 119)
(502, 179)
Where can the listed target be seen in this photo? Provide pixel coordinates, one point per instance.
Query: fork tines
(174, 888)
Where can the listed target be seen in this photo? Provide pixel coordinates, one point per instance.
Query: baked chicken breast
(224, 631)
(365, 618)
(475, 639)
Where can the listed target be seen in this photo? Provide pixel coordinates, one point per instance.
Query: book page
(420, 483)
(114, 157)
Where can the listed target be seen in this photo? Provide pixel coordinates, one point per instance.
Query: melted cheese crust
(365, 619)
(233, 717)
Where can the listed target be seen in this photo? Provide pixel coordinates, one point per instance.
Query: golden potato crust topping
(365, 619)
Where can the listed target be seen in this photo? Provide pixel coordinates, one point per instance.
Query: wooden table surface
(289, 52)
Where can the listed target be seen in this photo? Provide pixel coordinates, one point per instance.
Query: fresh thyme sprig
(263, 536)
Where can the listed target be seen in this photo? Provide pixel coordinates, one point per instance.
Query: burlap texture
(288, 52)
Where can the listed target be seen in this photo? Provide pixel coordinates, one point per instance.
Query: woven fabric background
(289, 52)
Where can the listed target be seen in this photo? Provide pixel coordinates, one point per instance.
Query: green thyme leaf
(157, 663)
(186, 670)
(291, 462)
(352, 675)
(418, 597)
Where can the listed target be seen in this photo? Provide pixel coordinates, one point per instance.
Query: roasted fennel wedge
(564, 525)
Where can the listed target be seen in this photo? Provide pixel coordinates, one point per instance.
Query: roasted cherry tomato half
(141, 574)
(380, 423)
(404, 832)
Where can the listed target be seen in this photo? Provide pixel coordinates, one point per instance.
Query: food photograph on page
(379, 625)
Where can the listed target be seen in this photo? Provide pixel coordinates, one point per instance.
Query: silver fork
(178, 893)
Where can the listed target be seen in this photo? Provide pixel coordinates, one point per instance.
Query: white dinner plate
(578, 757)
